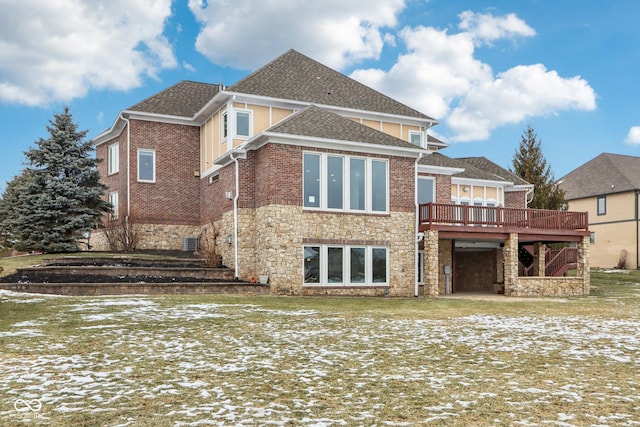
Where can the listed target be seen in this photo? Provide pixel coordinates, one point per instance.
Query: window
(602, 205)
(225, 125)
(415, 138)
(345, 265)
(243, 123)
(113, 199)
(592, 237)
(113, 162)
(425, 190)
(348, 183)
(147, 165)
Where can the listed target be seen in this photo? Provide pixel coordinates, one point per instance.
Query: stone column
(584, 271)
(431, 275)
(539, 263)
(510, 252)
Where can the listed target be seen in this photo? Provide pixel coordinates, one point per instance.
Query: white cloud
(58, 50)
(440, 76)
(518, 93)
(484, 27)
(246, 34)
(633, 137)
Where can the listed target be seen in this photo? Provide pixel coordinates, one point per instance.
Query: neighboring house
(607, 187)
(325, 185)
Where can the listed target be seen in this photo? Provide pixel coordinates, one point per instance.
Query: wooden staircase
(557, 261)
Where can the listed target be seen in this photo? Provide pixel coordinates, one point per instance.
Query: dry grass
(233, 360)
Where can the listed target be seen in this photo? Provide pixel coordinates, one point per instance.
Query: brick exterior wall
(175, 196)
(117, 181)
(443, 187)
(515, 199)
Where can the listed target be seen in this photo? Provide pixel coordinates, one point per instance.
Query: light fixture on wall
(465, 188)
(229, 239)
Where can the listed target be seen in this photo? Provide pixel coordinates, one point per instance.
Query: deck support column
(540, 262)
(431, 264)
(510, 252)
(583, 268)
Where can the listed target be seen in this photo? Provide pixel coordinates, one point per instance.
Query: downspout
(128, 166)
(417, 239)
(235, 216)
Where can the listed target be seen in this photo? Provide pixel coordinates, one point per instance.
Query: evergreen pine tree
(58, 197)
(529, 164)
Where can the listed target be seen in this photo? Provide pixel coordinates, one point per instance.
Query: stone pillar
(431, 263)
(584, 270)
(510, 252)
(540, 261)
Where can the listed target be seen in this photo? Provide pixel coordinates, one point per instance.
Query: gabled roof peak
(294, 76)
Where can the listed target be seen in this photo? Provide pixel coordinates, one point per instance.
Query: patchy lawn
(246, 361)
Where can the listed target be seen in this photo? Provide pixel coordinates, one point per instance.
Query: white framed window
(345, 265)
(113, 199)
(224, 128)
(415, 138)
(244, 123)
(113, 159)
(146, 165)
(426, 190)
(345, 183)
(602, 205)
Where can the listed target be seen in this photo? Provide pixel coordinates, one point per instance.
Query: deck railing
(539, 219)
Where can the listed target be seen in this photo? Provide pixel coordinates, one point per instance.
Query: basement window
(331, 265)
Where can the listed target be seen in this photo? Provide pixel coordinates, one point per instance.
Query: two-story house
(607, 187)
(323, 184)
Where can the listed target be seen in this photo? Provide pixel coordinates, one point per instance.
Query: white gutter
(128, 165)
(417, 239)
(235, 215)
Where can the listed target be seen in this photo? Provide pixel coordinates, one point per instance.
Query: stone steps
(95, 289)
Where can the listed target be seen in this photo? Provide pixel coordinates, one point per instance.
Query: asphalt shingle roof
(494, 169)
(183, 99)
(474, 168)
(316, 122)
(604, 174)
(297, 77)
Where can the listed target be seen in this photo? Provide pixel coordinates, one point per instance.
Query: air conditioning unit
(189, 244)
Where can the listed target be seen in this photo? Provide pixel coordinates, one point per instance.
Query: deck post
(510, 252)
(540, 262)
(583, 268)
(431, 264)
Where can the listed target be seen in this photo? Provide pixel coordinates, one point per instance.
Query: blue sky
(484, 69)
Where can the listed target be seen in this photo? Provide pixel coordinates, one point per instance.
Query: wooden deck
(461, 221)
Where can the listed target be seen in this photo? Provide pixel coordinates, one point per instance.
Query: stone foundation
(151, 236)
(548, 287)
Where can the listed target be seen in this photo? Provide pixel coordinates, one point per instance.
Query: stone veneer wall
(431, 264)
(547, 286)
(151, 236)
(281, 231)
(445, 257)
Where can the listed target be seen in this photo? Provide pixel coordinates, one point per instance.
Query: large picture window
(146, 165)
(113, 162)
(345, 265)
(345, 183)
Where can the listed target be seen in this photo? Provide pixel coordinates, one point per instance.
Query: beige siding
(614, 232)
(477, 191)
(406, 129)
(278, 114)
(392, 129)
(374, 124)
(261, 118)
